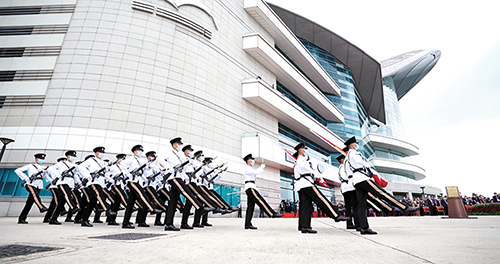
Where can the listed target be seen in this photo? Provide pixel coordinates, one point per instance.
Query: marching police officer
(349, 193)
(253, 195)
(305, 177)
(64, 176)
(359, 168)
(33, 184)
(93, 170)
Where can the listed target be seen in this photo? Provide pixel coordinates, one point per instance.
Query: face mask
(72, 159)
(139, 154)
(190, 154)
(40, 161)
(210, 165)
(178, 148)
(101, 155)
(306, 153)
(202, 159)
(152, 159)
(253, 162)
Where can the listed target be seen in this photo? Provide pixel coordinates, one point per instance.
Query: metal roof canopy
(365, 70)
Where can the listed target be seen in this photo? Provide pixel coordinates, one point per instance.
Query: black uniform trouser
(220, 199)
(362, 190)
(96, 194)
(204, 199)
(64, 195)
(307, 196)
(350, 203)
(381, 205)
(155, 198)
(53, 204)
(34, 197)
(254, 197)
(136, 194)
(178, 188)
(165, 196)
(120, 197)
(214, 201)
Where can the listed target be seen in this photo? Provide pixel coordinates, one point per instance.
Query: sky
(453, 114)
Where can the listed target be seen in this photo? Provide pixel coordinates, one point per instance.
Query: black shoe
(158, 224)
(46, 220)
(308, 231)
(63, 213)
(43, 210)
(86, 223)
(206, 224)
(128, 225)
(135, 209)
(358, 229)
(351, 227)
(410, 209)
(110, 213)
(22, 222)
(98, 222)
(250, 227)
(171, 228)
(121, 208)
(54, 222)
(367, 231)
(69, 220)
(275, 215)
(156, 211)
(186, 226)
(342, 218)
(77, 221)
(198, 226)
(76, 210)
(113, 223)
(100, 210)
(143, 225)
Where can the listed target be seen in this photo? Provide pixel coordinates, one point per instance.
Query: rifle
(176, 169)
(138, 171)
(34, 177)
(205, 176)
(215, 176)
(191, 175)
(64, 174)
(118, 177)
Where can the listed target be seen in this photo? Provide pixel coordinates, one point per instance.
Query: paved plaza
(400, 240)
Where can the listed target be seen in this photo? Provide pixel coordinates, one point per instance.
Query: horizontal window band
(30, 51)
(36, 10)
(32, 30)
(16, 101)
(26, 75)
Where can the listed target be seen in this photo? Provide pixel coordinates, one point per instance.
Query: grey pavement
(400, 240)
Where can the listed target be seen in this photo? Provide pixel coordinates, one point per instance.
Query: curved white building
(229, 77)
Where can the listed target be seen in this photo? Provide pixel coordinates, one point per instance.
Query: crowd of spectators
(430, 205)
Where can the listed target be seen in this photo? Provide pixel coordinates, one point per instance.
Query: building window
(10, 185)
(230, 194)
(294, 98)
(11, 52)
(7, 76)
(296, 137)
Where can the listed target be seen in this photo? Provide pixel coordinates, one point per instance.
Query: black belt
(359, 170)
(307, 174)
(344, 181)
(249, 182)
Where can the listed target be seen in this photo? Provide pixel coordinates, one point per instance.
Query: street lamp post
(423, 191)
(5, 142)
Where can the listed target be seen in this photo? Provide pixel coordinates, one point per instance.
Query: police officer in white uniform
(349, 193)
(134, 169)
(253, 195)
(176, 180)
(93, 170)
(33, 184)
(304, 176)
(117, 186)
(359, 168)
(63, 173)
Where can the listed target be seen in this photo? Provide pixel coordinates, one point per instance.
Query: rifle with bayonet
(191, 175)
(205, 176)
(216, 175)
(34, 177)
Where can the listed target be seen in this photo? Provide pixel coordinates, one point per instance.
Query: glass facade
(349, 102)
(230, 194)
(10, 185)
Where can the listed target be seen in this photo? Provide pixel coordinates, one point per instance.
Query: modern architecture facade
(229, 77)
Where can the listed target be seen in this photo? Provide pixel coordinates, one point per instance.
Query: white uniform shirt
(209, 176)
(170, 160)
(32, 169)
(197, 177)
(57, 169)
(187, 168)
(130, 164)
(355, 160)
(89, 166)
(303, 166)
(152, 169)
(249, 174)
(345, 186)
(116, 170)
